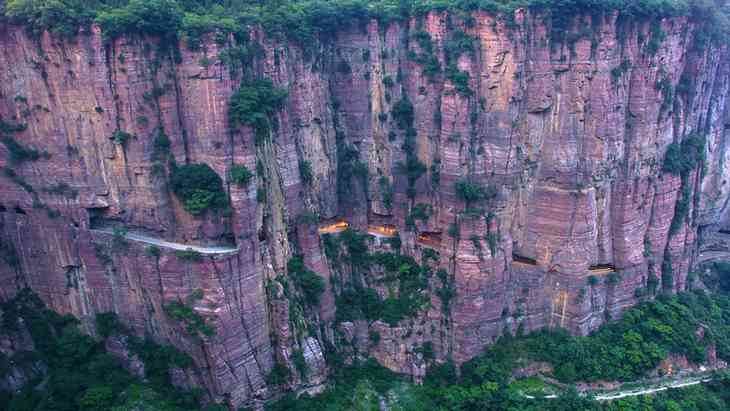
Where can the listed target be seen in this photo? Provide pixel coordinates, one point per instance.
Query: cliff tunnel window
(3, 209)
(335, 227)
(429, 238)
(516, 258)
(386, 230)
(19, 210)
(228, 238)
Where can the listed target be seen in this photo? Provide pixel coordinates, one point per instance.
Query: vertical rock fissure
(179, 108)
(149, 305)
(240, 315)
(159, 278)
(110, 52)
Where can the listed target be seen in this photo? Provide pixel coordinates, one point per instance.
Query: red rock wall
(572, 146)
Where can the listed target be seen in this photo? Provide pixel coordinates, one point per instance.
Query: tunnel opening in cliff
(227, 238)
(385, 230)
(521, 259)
(99, 217)
(19, 210)
(335, 225)
(3, 209)
(429, 239)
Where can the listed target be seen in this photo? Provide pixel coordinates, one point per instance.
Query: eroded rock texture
(568, 140)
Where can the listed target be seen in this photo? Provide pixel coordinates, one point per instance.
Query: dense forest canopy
(304, 19)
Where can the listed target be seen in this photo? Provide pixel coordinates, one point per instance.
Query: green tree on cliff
(198, 187)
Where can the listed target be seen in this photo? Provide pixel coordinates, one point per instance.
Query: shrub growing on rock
(300, 363)
(310, 283)
(682, 158)
(305, 171)
(469, 191)
(8, 254)
(121, 137)
(402, 112)
(161, 145)
(253, 103)
(241, 175)
(153, 251)
(198, 187)
(20, 153)
(195, 324)
(278, 375)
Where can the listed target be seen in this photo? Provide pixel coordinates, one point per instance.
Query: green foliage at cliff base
(71, 371)
(625, 350)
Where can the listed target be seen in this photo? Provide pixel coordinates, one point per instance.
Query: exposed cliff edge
(534, 171)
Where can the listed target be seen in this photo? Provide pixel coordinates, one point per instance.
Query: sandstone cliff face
(569, 138)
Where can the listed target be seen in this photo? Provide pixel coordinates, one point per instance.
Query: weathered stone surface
(18, 370)
(118, 347)
(569, 144)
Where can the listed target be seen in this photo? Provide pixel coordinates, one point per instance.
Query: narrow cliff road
(713, 255)
(615, 395)
(715, 247)
(632, 393)
(167, 244)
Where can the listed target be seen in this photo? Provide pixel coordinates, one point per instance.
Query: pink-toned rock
(568, 139)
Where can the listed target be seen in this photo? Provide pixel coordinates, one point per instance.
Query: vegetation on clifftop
(305, 20)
